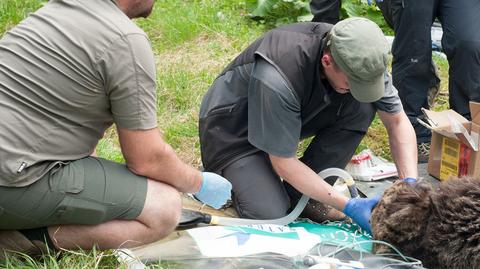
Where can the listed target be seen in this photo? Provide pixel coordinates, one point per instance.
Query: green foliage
(12, 12)
(441, 102)
(108, 149)
(358, 8)
(174, 22)
(278, 12)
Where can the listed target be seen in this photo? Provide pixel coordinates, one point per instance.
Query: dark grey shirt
(274, 110)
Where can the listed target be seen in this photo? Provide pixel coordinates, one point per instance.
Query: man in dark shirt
(299, 81)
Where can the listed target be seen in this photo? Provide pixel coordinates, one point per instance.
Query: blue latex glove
(360, 209)
(409, 180)
(370, 2)
(215, 190)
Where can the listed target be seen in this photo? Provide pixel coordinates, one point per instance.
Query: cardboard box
(454, 146)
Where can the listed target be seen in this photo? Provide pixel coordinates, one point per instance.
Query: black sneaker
(423, 151)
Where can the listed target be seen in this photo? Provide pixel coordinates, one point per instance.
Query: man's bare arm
(403, 143)
(147, 154)
(307, 181)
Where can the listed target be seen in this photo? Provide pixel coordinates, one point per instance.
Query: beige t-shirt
(67, 72)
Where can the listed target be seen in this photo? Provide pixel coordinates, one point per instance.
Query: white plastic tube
(216, 220)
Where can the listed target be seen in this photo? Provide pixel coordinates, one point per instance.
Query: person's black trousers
(412, 53)
(325, 10)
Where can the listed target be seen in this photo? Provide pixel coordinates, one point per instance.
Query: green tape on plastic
(339, 233)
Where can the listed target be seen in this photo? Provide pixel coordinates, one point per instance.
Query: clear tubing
(216, 220)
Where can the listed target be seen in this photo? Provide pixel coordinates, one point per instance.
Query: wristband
(409, 180)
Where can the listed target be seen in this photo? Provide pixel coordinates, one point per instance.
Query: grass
(67, 259)
(13, 11)
(192, 41)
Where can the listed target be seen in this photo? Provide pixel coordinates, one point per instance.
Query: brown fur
(441, 227)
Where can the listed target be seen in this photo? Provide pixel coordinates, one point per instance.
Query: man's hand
(360, 209)
(215, 190)
(370, 2)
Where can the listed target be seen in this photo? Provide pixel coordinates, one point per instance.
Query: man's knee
(162, 209)
(263, 210)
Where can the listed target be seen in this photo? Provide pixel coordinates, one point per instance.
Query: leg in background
(325, 10)
(461, 43)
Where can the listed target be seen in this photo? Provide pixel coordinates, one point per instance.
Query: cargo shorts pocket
(73, 208)
(78, 211)
(67, 178)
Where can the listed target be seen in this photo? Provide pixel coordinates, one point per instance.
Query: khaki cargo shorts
(87, 191)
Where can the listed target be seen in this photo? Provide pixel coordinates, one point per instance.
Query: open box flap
(440, 119)
(462, 133)
(468, 140)
(475, 113)
(451, 124)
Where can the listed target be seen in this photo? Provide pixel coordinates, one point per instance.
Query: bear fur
(440, 227)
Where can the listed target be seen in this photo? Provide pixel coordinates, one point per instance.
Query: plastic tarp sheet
(299, 245)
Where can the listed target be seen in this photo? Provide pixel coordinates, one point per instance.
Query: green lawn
(193, 40)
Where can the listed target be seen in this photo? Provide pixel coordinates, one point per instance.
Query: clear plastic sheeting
(278, 261)
(341, 242)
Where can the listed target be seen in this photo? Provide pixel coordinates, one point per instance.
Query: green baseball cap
(360, 49)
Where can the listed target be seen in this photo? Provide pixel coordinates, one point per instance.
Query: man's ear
(326, 60)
